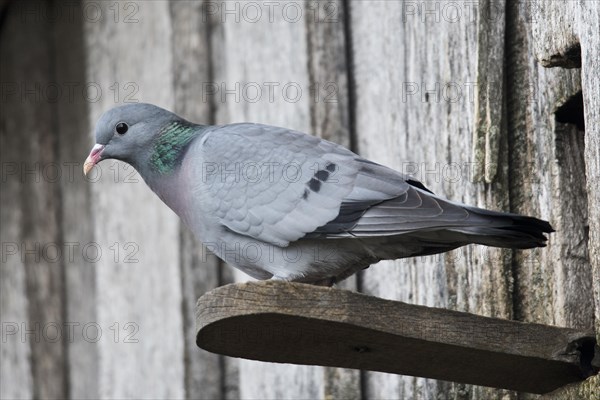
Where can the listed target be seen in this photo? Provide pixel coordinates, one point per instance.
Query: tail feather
(508, 230)
(423, 223)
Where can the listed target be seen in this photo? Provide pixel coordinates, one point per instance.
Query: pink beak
(93, 158)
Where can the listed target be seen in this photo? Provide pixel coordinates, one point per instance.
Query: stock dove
(281, 204)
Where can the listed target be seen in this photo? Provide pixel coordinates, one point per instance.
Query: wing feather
(308, 188)
(288, 199)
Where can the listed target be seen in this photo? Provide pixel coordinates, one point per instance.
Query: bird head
(126, 133)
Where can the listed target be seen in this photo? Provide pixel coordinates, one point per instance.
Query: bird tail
(506, 230)
(485, 227)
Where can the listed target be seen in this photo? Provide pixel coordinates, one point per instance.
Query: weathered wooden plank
(566, 34)
(203, 372)
(555, 30)
(552, 285)
(256, 82)
(297, 323)
(589, 17)
(419, 83)
(573, 39)
(199, 269)
(77, 224)
(229, 368)
(130, 59)
(489, 112)
(16, 372)
(328, 69)
(29, 115)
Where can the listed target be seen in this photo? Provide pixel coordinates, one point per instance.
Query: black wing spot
(305, 194)
(331, 167)
(314, 185)
(418, 184)
(322, 175)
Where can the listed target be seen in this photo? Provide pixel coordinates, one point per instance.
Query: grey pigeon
(281, 204)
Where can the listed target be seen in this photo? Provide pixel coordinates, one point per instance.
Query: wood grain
(421, 82)
(502, 137)
(127, 213)
(76, 224)
(200, 272)
(297, 323)
(36, 303)
(329, 70)
(552, 285)
(15, 363)
(307, 54)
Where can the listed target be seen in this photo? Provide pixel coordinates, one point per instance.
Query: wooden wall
(494, 104)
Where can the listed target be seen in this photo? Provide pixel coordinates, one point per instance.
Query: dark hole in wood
(574, 55)
(570, 59)
(589, 357)
(571, 112)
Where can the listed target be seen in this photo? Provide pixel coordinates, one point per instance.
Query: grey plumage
(282, 204)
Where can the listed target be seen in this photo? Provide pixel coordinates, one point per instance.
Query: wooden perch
(302, 324)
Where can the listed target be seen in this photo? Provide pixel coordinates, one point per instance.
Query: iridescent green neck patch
(170, 145)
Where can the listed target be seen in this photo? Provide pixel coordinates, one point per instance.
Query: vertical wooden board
(555, 28)
(264, 83)
(199, 269)
(328, 69)
(15, 353)
(229, 366)
(416, 69)
(77, 223)
(138, 275)
(552, 285)
(572, 304)
(489, 141)
(590, 55)
(203, 372)
(260, 75)
(30, 118)
(572, 39)
(566, 35)
(378, 114)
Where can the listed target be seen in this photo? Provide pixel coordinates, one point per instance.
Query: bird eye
(121, 128)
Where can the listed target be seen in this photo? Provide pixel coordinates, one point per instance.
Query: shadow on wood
(303, 324)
